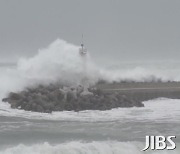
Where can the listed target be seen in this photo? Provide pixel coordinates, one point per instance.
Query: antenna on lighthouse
(82, 44)
(82, 50)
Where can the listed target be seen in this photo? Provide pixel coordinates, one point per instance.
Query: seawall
(143, 91)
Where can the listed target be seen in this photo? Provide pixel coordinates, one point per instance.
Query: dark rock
(48, 111)
(14, 96)
(23, 105)
(50, 98)
(27, 107)
(39, 108)
(5, 99)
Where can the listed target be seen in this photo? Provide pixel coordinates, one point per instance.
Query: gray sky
(120, 29)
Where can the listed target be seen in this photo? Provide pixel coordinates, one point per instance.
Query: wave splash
(77, 147)
(61, 61)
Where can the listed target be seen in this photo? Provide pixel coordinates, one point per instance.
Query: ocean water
(116, 131)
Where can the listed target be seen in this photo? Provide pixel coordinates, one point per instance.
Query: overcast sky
(120, 29)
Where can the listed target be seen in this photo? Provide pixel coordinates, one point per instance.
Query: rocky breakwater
(58, 98)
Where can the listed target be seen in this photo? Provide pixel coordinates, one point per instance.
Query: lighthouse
(85, 80)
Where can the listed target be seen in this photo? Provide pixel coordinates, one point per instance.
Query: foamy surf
(161, 109)
(77, 147)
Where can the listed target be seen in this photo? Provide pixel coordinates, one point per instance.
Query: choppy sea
(116, 131)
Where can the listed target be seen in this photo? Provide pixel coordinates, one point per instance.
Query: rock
(14, 96)
(79, 89)
(5, 99)
(27, 107)
(23, 104)
(39, 108)
(55, 98)
(86, 93)
(96, 91)
(58, 95)
(64, 92)
(13, 105)
(73, 93)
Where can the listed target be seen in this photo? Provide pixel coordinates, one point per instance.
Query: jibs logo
(159, 143)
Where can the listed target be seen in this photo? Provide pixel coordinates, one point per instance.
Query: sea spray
(78, 147)
(60, 61)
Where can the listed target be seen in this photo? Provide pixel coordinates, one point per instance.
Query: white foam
(61, 61)
(77, 147)
(154, 110)
(141, 74)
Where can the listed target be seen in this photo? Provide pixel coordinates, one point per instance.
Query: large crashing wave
(61, 62)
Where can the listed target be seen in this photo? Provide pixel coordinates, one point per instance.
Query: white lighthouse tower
(83, 55)
(84, 81)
